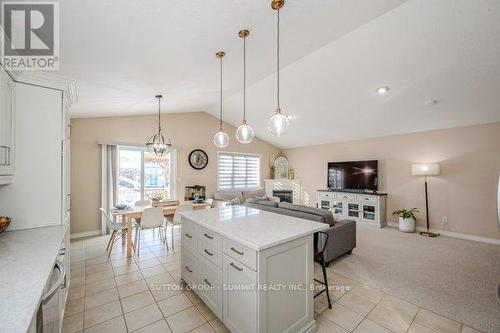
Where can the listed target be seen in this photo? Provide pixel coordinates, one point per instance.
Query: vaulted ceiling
(335, 54)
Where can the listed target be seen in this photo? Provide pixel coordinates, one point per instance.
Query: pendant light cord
(159, 119)
(244, 79)
(278, 60)
(220, 100)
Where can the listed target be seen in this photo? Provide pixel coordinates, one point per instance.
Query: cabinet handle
(4, 156)
(239, 252)
(367, 198)
(9, 158)
(208, 236)
(209, 284)
(188, 269)
(234, 266)
(188, 235)
(208, 252)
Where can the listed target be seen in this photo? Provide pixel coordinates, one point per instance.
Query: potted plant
(155, 199)
(406, 219)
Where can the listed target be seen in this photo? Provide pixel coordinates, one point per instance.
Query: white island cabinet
(253, 269)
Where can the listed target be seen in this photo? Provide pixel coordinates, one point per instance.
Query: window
(142, 174)
(237, 171)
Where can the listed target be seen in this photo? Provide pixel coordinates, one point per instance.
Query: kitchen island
(254, 269)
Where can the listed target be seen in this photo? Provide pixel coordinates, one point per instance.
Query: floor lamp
(425, 170)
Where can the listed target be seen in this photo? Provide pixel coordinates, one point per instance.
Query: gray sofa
(341, 234)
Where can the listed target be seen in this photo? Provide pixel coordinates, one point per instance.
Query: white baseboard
(452, 234)
(85, 234)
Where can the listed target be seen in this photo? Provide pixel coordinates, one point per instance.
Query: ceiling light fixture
(157, 143)
(221, 139)
(383, 90)
(278, 124)
(244, 133)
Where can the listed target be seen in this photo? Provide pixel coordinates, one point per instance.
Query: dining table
(131, 213)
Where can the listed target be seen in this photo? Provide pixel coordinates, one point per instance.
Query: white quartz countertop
(27, 258)
(251, 227)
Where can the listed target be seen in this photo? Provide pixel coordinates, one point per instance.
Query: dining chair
(209, 203)
(151, 218)
(142, 203)
(116, 228)
(176, 220)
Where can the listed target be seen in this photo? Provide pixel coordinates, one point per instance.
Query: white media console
(362, 207)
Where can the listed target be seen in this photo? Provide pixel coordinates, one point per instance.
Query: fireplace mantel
(294, 185)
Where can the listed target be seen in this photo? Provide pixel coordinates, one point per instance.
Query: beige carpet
(455, 278)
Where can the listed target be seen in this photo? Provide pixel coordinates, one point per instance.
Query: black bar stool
(319, 257)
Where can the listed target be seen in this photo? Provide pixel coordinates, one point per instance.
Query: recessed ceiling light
(431, 102)
(383, 90)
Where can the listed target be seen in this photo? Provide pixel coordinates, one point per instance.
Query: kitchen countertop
(27, 258)
(254, 228)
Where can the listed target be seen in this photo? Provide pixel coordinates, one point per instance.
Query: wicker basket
(4, 223)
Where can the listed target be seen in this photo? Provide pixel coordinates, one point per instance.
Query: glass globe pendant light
(278, 124)
(244, 133)
(221, 139)
(157, 143)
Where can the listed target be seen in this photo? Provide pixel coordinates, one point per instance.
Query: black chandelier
(157, 143)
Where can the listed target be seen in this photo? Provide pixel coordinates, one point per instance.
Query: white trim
(68, 86)
(85, 234)
(453, 234)
(104, 186)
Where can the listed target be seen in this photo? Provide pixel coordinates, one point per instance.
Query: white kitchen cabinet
(7, 142)
(253, 278)
(240, 306)
(41, 135)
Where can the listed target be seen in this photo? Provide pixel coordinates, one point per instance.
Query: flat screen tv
(355, 175)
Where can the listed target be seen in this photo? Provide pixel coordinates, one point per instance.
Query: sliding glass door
(142, 175)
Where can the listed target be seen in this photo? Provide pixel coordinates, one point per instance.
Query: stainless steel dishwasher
(49, 316)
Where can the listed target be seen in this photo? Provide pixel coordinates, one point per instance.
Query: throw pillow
(264, 197)
(235, 201)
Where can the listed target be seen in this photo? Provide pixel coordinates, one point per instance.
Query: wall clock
(198, 159)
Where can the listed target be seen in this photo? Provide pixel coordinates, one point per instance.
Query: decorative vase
(406, 225)
(155, 203)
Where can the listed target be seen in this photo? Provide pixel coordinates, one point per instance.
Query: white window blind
(237, 171)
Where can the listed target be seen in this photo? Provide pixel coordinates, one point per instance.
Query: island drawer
(212, 238)
(207, 250)
(240, 252)
(211, 283)
(189, 234)
(189, 267)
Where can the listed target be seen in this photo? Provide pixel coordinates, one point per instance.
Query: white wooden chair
(151, 218)
(142, 203)
(183, 207)
(116, 228)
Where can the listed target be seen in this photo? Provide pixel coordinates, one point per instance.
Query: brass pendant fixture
(221, 139)
(245, 132)
(157, 143)
(278, 124)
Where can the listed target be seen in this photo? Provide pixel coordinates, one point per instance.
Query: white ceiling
(334, 55)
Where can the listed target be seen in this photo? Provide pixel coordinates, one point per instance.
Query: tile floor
(142, 294)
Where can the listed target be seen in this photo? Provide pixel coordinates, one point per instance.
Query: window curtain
(108, 179)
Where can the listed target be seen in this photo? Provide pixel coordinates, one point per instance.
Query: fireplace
(284, 195)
